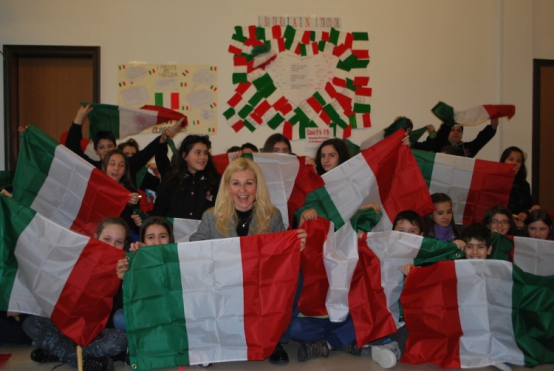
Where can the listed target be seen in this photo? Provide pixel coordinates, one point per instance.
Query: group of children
(188, 187)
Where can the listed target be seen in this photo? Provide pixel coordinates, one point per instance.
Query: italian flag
(475, 313)
(183, 228)
(210, 301)
(385, 174)
(378, 278)
(50, 271)
(287, 177)
(400, 123)
(124, 121)
(62, 187)
(472, 116)
(473, 185)
(533, 255)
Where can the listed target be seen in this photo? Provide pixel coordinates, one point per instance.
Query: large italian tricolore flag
(50, 271)
(62, 187)
(124, 121)
(210, 301)
(475, 313)
(473, 185)
(473, 116)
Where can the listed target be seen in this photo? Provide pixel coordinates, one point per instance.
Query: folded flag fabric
(183, 228)
(287, 177)
(385, 174)
(124, 121)
(534, 256)
(378, 279)
(502, 247)
(50, 271)
(58, 184)
(473, 185)
(475, 313)
(210, 301)
(472, 116)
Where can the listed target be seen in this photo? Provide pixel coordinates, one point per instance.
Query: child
(277, 143)
(116, 166)
(408, 221)
(500, 220)
(330, 154)
(520, 202)
(440, 224)
(191, 186)
(53, 346)
(538, 224)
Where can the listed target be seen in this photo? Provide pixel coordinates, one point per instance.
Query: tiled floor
(337, 361)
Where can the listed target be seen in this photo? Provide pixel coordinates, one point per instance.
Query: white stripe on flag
(46, 256)
(213, 289)
(340, 254)
(534, 256)
(471, 116)
(183, 228)
(452, 176)
(61, 195)
(351, 185)
(374, 139)
(394, 250)
(485, 307)
(22, 300)
(132, 121)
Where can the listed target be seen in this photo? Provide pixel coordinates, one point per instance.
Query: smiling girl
(440, 223)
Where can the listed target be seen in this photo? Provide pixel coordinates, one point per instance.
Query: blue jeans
(119, 320)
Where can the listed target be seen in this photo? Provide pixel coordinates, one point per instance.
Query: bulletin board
(189, 89)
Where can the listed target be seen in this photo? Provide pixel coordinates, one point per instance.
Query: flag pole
(79, 358)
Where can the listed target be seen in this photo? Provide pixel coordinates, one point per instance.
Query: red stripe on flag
(103, 197)
(401, 185)
(262, 108)
(306, 181)
(361, 81)
(325, 36)
(316, 284)
(221, 162)
(164, 114)
(500, 110)
(250, 66)
(270, 277)
(281, 44)
(234, 100)
(361, 54)
(330, 89)
(306, 37)
(339, 50)
(427, 309)
(287, 130)
(325, 117)
(239, 61)
(252, 32)
(347, 132)
(238, 125)
(315, 48)
(345, 102)
(312, 101)
(298, 50)
(280, 103)
(491, 184)
(365, 92)
(243, 87)
(339, 82)
(370, 321)
(286, 109)
(367, 120)
(234, 50)
(256, 117)
(276, 32)
(86, 301)
(175, 101)
(349, 40)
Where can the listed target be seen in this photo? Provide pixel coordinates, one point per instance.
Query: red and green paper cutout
(342, 105)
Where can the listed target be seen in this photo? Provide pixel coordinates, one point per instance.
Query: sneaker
(41, 356)
(97, 364)
(308, 351)
(206, 365)
(503, 366)
(383, 356)
(351, 348)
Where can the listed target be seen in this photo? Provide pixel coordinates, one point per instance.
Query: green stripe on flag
(444, 112)
(268, 90)
(319, 98)
(245, 111)
(104, 117)
(501, 247)
(275, 121)
(354, 149)
(171, 144)
(249, 125)
(35, 158)
(256, 98)
(159, 99)
(342, 65)
(433, 250)
(322, 203)
(249, 156)
(168, 344)
(353, 121)
(426, 162)
(360, 36)
(416, 134)
(140, 176)
(238, 38)
(334, 36)
(350, 84)
(6, 178)
(401, 123)
(299, 117)
(260, 33)
(262, 81)
(288, 35)
(360, 63)
(303, 51)
(229, 113)
(533, 316)
(15, 218)
(321, 45)
(239, 77)
(362, 108)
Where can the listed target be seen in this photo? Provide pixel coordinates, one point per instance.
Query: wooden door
(543, 134)
(44, 87)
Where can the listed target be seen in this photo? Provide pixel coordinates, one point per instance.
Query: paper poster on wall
(292, 79)
(189, 89)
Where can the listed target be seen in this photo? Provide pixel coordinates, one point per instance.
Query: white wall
(463, 52)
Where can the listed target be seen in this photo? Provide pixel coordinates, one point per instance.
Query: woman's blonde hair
(224, 210)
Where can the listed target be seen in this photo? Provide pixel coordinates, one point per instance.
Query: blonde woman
(243, 208)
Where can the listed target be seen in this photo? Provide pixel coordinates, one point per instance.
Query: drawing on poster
(292, 79)
(189, 89)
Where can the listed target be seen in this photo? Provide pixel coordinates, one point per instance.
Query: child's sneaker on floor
(351, 348)
(308, 351)
(383, 356)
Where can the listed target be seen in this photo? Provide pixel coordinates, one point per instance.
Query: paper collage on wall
(297, 81)
(189, 89)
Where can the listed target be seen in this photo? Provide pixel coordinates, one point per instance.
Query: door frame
(537, 64)
(12, 53)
